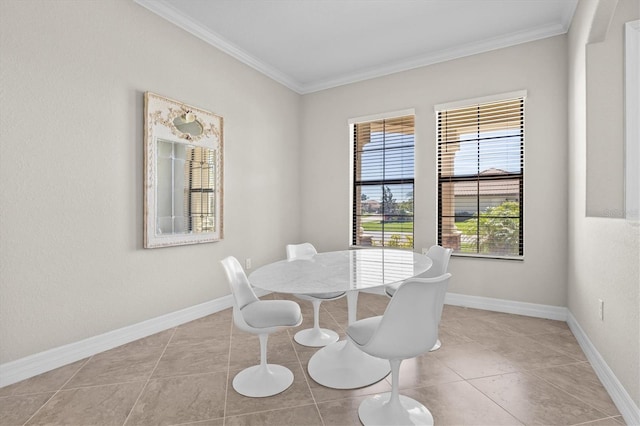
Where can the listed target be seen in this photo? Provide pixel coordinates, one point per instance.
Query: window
(480, 176)
(200, 194)
(383, 174)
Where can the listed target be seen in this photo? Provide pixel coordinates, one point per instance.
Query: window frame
(478, 102)
(352, 123)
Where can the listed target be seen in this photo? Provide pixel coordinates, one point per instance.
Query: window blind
(481, 177)
(200, 189)
(383, 191)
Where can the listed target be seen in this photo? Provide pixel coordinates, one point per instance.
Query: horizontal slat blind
(383, 182)
(200, 189)
(480, 178)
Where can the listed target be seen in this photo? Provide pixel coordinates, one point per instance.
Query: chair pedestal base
(316, 337)
(262, 380)
(377, 410)
(341, 365)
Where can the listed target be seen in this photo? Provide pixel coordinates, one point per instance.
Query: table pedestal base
(316, 337)
(341, 365)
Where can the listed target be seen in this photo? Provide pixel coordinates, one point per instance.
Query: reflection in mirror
(183, 174)
(185, 188)
(187, 123)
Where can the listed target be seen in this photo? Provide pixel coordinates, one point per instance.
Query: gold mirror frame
(183, 174)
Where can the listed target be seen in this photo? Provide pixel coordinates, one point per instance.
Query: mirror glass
(187, 123)
(183, 174)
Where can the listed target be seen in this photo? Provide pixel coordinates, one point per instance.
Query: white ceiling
(310, 45)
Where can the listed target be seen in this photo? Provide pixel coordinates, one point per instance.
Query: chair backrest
(238, 282)
(409, 325)
(440, 257)
(300, 251)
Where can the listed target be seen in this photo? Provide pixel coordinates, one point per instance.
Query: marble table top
(345, 270)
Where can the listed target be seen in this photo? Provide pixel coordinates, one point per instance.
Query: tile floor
(493, 369)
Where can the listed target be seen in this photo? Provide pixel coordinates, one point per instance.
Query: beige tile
(582, 382)
(326, 320)
(508, 344)
(459, 403)
(451, 312)
(97, 405)
(451, 337)
(214, 422)
(374, 303)
(181, 399)
(304, 353)
(323, 393)
(535, 401)
(206, 357)
(245, 350)
(537, 358)
(126, 363)
(210, 328)
(339, 412)
(16, 410)
(297, 416)
(478, 328)
(527, 326)
(472, 360)
(563, 341)
(609, 421)
(296, 395)
(46, 382)
(424, 370)
(159, 339)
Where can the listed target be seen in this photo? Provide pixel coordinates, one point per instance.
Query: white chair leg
(391, 408)
(316, 336)
(263, 348)
(263, 379)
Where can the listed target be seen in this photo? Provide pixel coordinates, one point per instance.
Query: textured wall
(73, 74)
(538, 67)
(604, 252)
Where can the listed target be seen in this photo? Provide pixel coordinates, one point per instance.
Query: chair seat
(362, 330)
(272, 313)
(325, 296)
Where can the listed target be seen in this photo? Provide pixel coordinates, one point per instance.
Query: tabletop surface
(340, 271)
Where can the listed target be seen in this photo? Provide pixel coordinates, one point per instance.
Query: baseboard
(625, 404)
(24, 368)
(508, 306)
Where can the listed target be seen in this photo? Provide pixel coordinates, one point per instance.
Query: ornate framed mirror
(183, 155)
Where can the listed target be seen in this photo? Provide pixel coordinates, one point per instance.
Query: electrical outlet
(247, 263)
(601, 309)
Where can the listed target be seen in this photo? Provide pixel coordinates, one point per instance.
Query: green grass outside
(388, 227)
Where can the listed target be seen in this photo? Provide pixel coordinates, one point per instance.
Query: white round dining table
(341, 365)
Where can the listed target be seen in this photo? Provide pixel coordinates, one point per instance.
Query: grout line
(226, 383)
(58, 391)
(577, 397)
(313, 398)
(144, 387)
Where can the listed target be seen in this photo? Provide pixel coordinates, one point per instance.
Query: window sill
(487, 256)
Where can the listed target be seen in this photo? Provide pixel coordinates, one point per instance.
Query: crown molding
(173, 15)
(444, 55)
